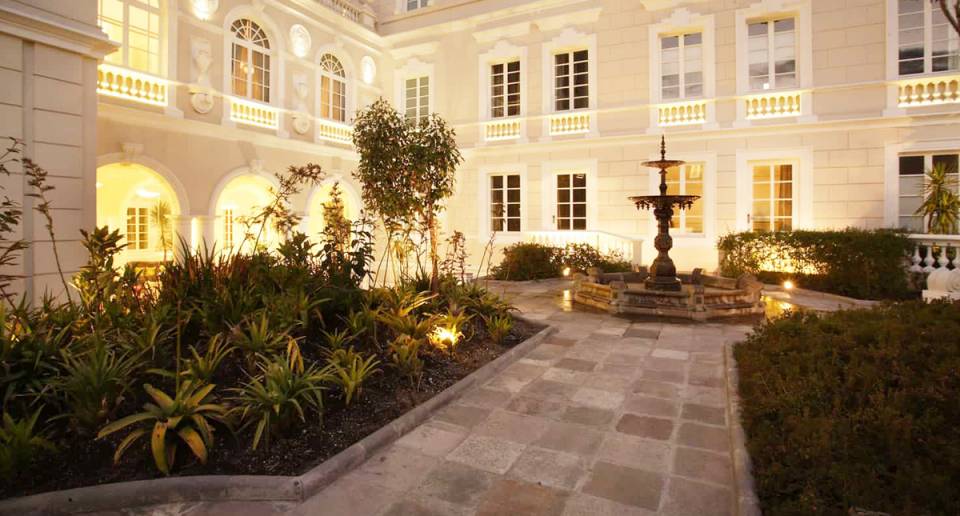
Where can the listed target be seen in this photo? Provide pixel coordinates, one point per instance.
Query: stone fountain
(660, 290)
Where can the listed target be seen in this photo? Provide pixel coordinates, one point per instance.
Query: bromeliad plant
(351, 371)
(20, 443)
(499, 326)
(257, 337)
(405, 357)
(184, 418)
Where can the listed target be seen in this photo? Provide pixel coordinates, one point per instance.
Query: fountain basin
(701, 297)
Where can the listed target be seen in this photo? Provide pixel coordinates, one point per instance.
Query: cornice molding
(35, 25)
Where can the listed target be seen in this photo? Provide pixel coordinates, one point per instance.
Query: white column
(182, 236)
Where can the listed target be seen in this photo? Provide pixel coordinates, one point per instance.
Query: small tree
(952, 13)
(941, 204)
(161, 218)
(406, 170)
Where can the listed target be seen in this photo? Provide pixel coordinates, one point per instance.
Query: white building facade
(791, 114)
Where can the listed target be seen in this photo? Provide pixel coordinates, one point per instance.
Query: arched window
(135, 24)
(250, 62)
(333, 89)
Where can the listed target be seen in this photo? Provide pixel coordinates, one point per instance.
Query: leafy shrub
(866, 264)
(580, 257)
(530, 261)
(855, 409)
(499, 327)
(20, 443)
(94, 382)
(405, 356)
(351, 372)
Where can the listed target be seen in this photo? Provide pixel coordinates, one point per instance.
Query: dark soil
(84, 461)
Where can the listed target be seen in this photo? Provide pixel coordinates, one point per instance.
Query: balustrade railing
(334, 131)
(682, 113)
(929, 91)
(115, 81)
(574, 122)
(932, 252)
(501, 130)
(626, 247)
(773, 105)
(254, 113)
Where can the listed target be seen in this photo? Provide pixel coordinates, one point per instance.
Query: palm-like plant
(20, 443)
(184, 418)
(161, 214)
(941, 204)
(257, 337)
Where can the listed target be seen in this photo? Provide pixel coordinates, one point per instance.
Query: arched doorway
(238, 204)
(321, 197)
(141, 204)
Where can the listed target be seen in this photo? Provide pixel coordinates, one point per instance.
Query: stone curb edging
(213, 488)
(852, 301)
(746, 502)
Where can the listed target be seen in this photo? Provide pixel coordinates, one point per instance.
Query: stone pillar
(207, 229)
(182, 236)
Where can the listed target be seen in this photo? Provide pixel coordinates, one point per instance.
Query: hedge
(855, 409)
(865, 264)
(531, 261)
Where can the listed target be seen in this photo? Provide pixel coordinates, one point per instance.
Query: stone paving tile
(548, 467)
(536, 407)
(549, 390)
(702, 436)
(562, 375)
(656, 389)
(652, 406)
(486, 398)
(590, 416)
(643, 333)
(457, 483)
(703, 465)
(580, 504)
(628, 486)
(570, 438)
(635, 452)
(425, 507)
(513, 427)
(487, 453)
(670, 353)
(435, 439)
(706, 375)
(397, 467)
(560, 341)
(686, 497)
(597, 398)
(662, 376)
(624, 359)
(511, 497)
(664, 364)
(704, 396)
(704, 414)
(348, 495)
(462, 415)
(607, 382)
(646, 426)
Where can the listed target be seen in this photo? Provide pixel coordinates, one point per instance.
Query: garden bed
(854, 409)
(83, 461)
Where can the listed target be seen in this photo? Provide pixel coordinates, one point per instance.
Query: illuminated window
(912, 181)
(333, 89)
(417, 99)
(228, 228)
(505, 89)
(571, 89)
(772, 197)
(681, 66)
(250, 61)
(571, 201)
(772, 54)
(413, 5)
(135, 24)
(926, 41)
(138, 224)
(505, 202)
(687, 180)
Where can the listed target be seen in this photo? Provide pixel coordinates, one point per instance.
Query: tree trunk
(434, 273)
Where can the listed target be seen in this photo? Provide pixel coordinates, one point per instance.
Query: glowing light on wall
(300, 40)
(204, 9)
(788, 285)
(147, 194)
(368, 69)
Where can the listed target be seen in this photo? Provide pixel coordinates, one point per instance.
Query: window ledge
(254, 113)
(127, 84)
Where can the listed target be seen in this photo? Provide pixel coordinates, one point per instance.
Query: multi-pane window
(135, 24)
(138, 232)
(912, 180)
(417, 4)
(772, 197)
(250, 61)
(505, 202)
(772, 54)
(571, 89)
(228, 228)
(926, 41)
(333, 88)
(505, 89)
(571, 201)
(687, 180)
(416, 99)
(681, 66)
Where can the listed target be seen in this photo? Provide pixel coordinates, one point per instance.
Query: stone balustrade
(933, 252)
(115, 81)
(773, 105)
(628, 248)
(361, 14)
(334, 132)
(254, 113)
(682, 113)
(495, 130)
(929, 91)
(573, 122)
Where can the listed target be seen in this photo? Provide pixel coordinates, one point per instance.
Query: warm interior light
(147, 194)
(788, 284)
(566, 271)
(202, 9)
(99, 184)
(444, 338)
(368, 69)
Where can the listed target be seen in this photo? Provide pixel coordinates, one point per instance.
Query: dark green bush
(866, 264)
(855, 409)
(530, 261)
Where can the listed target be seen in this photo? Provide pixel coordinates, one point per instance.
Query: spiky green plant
(20, 443)
(351, 373)
(941, 203)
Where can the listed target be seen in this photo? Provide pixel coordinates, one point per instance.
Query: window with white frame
(416, 99)
(138, 228)
(333, 89)
(926, 42)
(687, 179)
(681, 66)
(912, 178)
(135, 24)
(571, 201)
(250, 61)
(505, 89)
(413, 5)
(772, 46)
(228, 228)
(505, 202)
(772, 196)
(571, 89)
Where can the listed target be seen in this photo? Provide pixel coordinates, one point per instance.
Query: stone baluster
(928, 261)
(943, 261)
(915, 259)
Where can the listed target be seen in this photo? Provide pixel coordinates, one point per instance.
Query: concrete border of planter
(207, 488)
(745, 501)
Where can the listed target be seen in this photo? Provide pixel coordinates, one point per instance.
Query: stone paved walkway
(606, 417)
